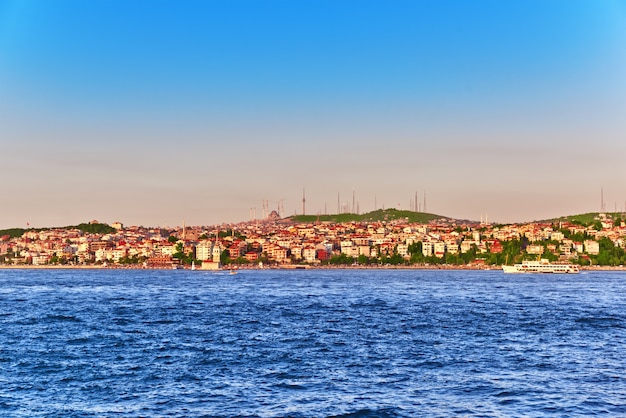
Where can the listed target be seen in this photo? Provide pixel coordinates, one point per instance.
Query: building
(535, 249)
(592, 247)
(203, 250)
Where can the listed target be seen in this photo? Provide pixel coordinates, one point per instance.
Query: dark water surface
(311, 343)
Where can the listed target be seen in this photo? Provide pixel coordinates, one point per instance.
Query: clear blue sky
(155, 112)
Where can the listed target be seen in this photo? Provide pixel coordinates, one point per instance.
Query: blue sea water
(322, 343)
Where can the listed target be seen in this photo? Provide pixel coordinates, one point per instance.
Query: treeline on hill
(90, 228)
(13, 232)
(379, 215)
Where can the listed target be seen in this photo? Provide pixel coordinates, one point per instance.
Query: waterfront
(311, 343)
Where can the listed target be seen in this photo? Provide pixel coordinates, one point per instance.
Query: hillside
(587, 218)
(88, 228)
(375, 216)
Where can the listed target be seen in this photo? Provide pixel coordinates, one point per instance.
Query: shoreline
(289, 267)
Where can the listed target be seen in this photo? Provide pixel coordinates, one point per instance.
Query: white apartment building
(466, 245)
(309, 254)
(439, 248)
(402, 250)
(452, 248)
(296, 251)
(203, 250)
(117, 254)
(535, 249)
(40, 259)
(557, 236)
(592, 247)
(427, 249)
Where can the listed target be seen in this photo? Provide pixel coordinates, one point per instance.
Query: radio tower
(602, 205)
(303, 202)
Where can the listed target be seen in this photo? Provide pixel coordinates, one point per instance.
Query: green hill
(13, 232)
(88, 228)
(587, 218)
(375, 216)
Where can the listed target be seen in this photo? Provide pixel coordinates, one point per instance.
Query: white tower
(216, 252)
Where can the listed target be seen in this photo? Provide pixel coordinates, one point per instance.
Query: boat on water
(541, 266)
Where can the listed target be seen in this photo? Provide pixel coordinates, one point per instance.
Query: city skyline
(203, 110)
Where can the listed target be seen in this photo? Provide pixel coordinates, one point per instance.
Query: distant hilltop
(380, 215)
(92, 227)
(422, 217)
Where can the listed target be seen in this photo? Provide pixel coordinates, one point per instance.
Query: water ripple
(311, 343)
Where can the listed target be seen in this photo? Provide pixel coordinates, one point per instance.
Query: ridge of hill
(374, 216)
(91, 228)
(589, 218)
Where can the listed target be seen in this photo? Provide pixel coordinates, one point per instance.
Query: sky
(161, 112)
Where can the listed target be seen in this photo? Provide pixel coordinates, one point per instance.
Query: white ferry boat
(541, 266)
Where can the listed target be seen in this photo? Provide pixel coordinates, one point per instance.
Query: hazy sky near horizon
(155, 112)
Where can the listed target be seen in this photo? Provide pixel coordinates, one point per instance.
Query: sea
(311, 343)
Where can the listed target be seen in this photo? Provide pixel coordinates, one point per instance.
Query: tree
(454, 259)
(225, 258)
(393, 259)
(610, 255)
(550, 256)
(94, 228)
(469, 256)
(511, 251)
(415, 251)
(179, 251)
(185, 258)
(341, 259)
